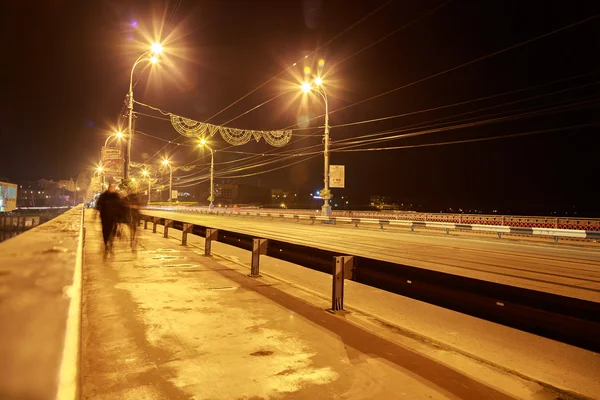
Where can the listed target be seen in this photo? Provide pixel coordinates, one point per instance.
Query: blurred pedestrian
(112, 208)
(133, 203)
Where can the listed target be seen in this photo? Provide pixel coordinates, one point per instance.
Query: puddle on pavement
(178, 266)
(165, 251)
(223, 288)
(159, 257)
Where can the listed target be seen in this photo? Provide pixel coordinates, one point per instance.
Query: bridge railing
(571, 320)
(40, 286)
(499, 225)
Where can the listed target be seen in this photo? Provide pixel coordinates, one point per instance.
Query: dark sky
(65, 71)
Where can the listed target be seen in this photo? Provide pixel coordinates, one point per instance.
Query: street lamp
(118, 135)
(325, 193)
(166, 162)
(150, 56)
(147, 175)
(100, 170)
(211, 197)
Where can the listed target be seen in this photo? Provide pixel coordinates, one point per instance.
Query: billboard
(112, 162)
(336, 176)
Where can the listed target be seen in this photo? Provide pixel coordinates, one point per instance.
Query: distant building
(46, 193)
(8, 196)
(384, 203)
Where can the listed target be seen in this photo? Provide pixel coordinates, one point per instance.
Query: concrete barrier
(40, 310)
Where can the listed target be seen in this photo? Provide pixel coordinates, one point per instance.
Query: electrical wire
(523, 43)
(306, 56)
(470, 140)
(475, 100)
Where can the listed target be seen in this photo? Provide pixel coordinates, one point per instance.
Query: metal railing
(570, 320)
(500, 228)
(587, 224)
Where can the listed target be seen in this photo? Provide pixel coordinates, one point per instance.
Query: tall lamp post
(118, 135)
(149, 56)
(211, 197)
(146, 173)
(325, 193)
(100, 171)
(166, 162)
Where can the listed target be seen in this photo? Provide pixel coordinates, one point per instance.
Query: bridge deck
(560, 269)
(168, 323)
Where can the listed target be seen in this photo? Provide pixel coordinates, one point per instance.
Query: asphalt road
(561, 269)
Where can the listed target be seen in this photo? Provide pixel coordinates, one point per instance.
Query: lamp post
(150, 56)
(211, 197)
(146, 173)
(166, 162)
(325, 193)
(118, 135)
(100, 171)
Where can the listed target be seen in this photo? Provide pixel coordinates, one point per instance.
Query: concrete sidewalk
(169, 323)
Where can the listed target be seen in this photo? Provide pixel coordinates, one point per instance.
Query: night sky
(65, 67)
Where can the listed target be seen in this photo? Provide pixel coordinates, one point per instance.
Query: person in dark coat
(112, 209)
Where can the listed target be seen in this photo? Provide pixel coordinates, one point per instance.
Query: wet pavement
(168, 323)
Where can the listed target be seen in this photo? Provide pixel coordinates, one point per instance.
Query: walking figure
(133, 202)
(112, 208)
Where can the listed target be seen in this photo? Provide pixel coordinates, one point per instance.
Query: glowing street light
(100, 171)
(325, 193)
(156, 48)
(306, 87)
(118, 135)
(152, 57)
(166, 162)
(211, 197)
(146, 174)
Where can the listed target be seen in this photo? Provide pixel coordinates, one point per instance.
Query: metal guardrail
(586, 224)
(499, 230)
(562, 318)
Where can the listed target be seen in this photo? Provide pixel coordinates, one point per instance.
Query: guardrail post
(555, 239)
(145, 222)
(259, 246)
(447, 231)
(154, 223)
(168, 223)
(499, 235)
(342, 266)
(187, 228)
(313, 220)
(211, 234)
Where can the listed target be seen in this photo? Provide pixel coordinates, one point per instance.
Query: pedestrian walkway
(169, 323)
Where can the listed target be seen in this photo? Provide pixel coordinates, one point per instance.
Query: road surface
(566, 270)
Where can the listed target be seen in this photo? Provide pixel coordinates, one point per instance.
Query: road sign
(336, 176)
(174, 194)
